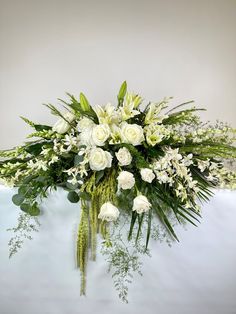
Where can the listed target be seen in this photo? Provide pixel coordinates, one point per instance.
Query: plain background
(184, 49)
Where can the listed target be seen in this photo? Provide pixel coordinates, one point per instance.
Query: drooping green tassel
(89, 223)
(82, 246)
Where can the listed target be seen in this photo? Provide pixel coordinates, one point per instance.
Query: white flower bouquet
(136, 173)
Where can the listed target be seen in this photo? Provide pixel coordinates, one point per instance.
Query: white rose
(85, 137)
(63, 125)
(85, 123)
(123, 156)
(99, 159)
(126, 180)
(147, 175)
(131, 133)
(141, 204)
(100, 134)
(108, 212)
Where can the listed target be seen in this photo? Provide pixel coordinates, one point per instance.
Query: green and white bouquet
(135, 172)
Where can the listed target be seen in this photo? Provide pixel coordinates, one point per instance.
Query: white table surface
(195, 276)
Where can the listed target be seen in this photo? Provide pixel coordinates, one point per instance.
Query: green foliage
(78, 159)
(31, 209)
(73, 197)
(25, 227)
(82, 110)
(35, 148)
(18, 199)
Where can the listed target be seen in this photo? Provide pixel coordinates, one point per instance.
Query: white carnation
(108, 212)
(141, 204)
(131, 133)
(126, 180)
(100, 133)
(99, 159)
(123, 156)
(147, 175)
(63, 125)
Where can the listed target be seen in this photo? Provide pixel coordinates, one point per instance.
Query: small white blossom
(70, 141)
(53, 160)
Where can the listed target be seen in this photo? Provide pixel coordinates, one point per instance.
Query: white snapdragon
(141, 204)
(100, 133)
(99, 159)
(131, 133)
(126, 180)
(123, 156)
(147, 175)
(108, 212)
(63, 124)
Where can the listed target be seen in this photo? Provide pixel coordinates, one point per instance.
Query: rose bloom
(108, 212)
(100, 133)
(63, 125)
(85, 137)
(126, 180)
(99, 159)
(123, 156)
(131, 133)
(85, 123)
(141, 204)
(147, 175)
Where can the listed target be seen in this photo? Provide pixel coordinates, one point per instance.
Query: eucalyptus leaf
(73, 197)
(71, 186)
(78, 159)
(32, 210)
(18, 199)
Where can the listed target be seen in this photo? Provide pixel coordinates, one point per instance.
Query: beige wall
(185, 49)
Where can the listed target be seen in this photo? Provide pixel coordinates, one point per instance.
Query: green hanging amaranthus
(95, 194)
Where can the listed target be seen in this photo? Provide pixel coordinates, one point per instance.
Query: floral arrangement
(136, 173)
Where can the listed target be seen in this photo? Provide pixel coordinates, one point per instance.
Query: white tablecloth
(195, 276)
